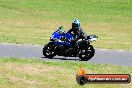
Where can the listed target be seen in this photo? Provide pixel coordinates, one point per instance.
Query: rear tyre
(87, 54)
(48, 51)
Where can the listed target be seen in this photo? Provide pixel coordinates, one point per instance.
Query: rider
(77, 31)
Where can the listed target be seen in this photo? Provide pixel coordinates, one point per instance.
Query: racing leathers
(78, 33)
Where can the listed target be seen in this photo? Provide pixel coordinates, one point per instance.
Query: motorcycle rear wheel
(87, 56)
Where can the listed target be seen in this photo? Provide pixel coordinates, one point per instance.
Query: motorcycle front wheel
(87, 54)
(48, 51)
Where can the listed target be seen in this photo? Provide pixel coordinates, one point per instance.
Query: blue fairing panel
(68, 37)
(56, 35)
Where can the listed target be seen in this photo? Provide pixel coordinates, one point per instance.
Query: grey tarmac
(102, 56)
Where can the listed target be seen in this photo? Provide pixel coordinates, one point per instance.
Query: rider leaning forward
(77, 31)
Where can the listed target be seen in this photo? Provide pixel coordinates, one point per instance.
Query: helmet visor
(74, 25)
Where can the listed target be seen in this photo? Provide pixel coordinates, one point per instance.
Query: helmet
(75, 24)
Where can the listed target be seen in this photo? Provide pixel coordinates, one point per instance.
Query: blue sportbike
(60, 44)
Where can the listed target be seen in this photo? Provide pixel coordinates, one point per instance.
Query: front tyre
(87, 54)
(48, 51)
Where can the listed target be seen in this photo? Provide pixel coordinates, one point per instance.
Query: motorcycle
(60, 44)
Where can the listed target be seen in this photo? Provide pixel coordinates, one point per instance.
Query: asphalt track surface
(115, 57)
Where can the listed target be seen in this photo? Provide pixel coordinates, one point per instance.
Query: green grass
(29, 73)
(32, 22)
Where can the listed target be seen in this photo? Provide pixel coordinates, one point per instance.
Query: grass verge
(33, 73)
(32, 22)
